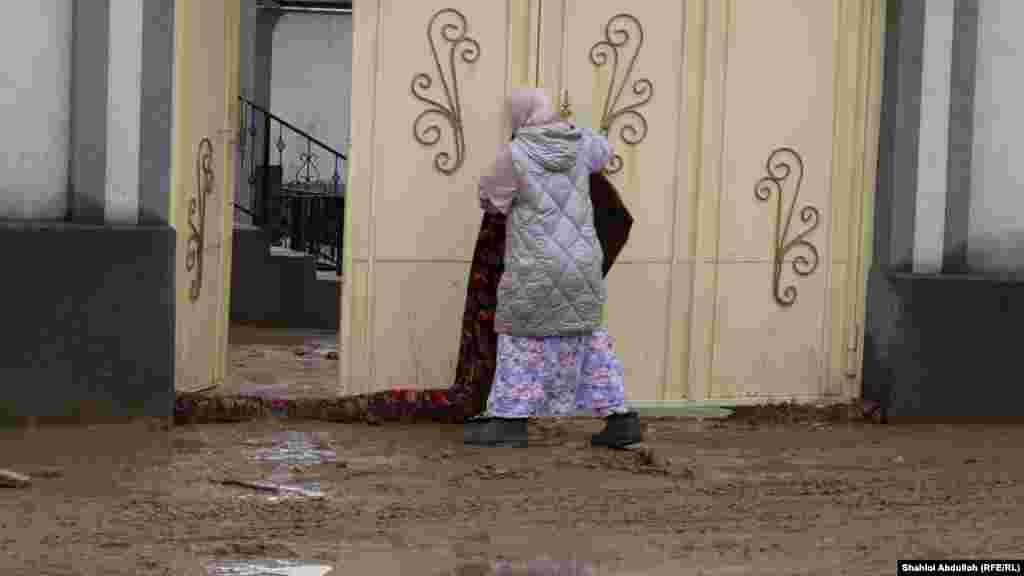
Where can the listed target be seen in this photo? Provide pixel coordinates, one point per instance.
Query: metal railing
(289, 194)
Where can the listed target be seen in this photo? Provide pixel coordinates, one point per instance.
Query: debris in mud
(12, 479)
(441, 456)
(198, 408)
(266, 568)
(637, 459)
(552, 433)
(494, 472)
(263, 486)
(478, 569)
(266, 551)
(370, 464)
(647, 456)
(798, 413)
(304, 489)
(544, 568)
(47, 472)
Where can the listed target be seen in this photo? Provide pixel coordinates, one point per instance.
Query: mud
(411, 499)
(768, 491)
(273, 364)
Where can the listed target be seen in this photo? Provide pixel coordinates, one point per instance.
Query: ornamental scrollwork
(450, 28)
(780, 170)
(197, 203)
(623, 40)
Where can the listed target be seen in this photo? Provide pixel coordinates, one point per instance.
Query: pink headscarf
(530, 107)
(526, 107)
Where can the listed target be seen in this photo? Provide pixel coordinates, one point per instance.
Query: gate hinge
(852, 347)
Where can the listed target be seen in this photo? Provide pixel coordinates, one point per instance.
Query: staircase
(286, 268)
(276, 286)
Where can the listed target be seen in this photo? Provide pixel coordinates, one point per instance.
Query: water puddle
(288, 452)
(293, 449)
(266, 568)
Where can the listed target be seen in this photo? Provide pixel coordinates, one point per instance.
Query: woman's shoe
(620, 430)
(496, 432)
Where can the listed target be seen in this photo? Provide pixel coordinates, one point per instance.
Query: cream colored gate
(428, 85)
(741, 280)
(206, 88)
(761, 307)
(617, 65)
(740, 132)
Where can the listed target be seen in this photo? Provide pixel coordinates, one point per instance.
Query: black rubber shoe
(620, 430)
(496, 432)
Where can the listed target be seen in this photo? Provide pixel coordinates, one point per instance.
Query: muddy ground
(756, 494)
(281, 364)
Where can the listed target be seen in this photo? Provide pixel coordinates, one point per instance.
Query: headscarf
(530, 107)
(526, 107)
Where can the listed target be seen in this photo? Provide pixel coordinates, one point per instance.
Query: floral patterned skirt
(475, 370)
(557, 376)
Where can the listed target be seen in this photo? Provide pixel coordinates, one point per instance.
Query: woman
(554, 356)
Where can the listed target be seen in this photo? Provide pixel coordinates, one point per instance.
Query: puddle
(294, 449)
(287, 452)
(266, 568)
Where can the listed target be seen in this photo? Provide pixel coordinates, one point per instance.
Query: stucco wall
(34, 108)
(939, 191)
(312, 80)
(996, 229)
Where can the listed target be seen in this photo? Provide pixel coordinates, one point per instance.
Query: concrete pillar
(34, 108)
(121, 106)
(930, 213)
(156, 124)
(996, 229)
(124, 99)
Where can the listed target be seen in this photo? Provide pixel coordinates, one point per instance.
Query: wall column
(124, 99)
(90, 40)
(156, 123)
(933, 143)
(121, 104)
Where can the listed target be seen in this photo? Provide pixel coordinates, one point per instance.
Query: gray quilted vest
(552, 283)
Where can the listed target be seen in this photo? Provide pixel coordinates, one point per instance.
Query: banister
(292, 127)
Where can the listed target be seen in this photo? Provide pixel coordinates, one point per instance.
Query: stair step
(288, 252)
(329, 276)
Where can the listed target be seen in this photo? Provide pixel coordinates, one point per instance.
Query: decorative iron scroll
(197, 217)
(779, 166)
(614, 47)
(460, 45)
